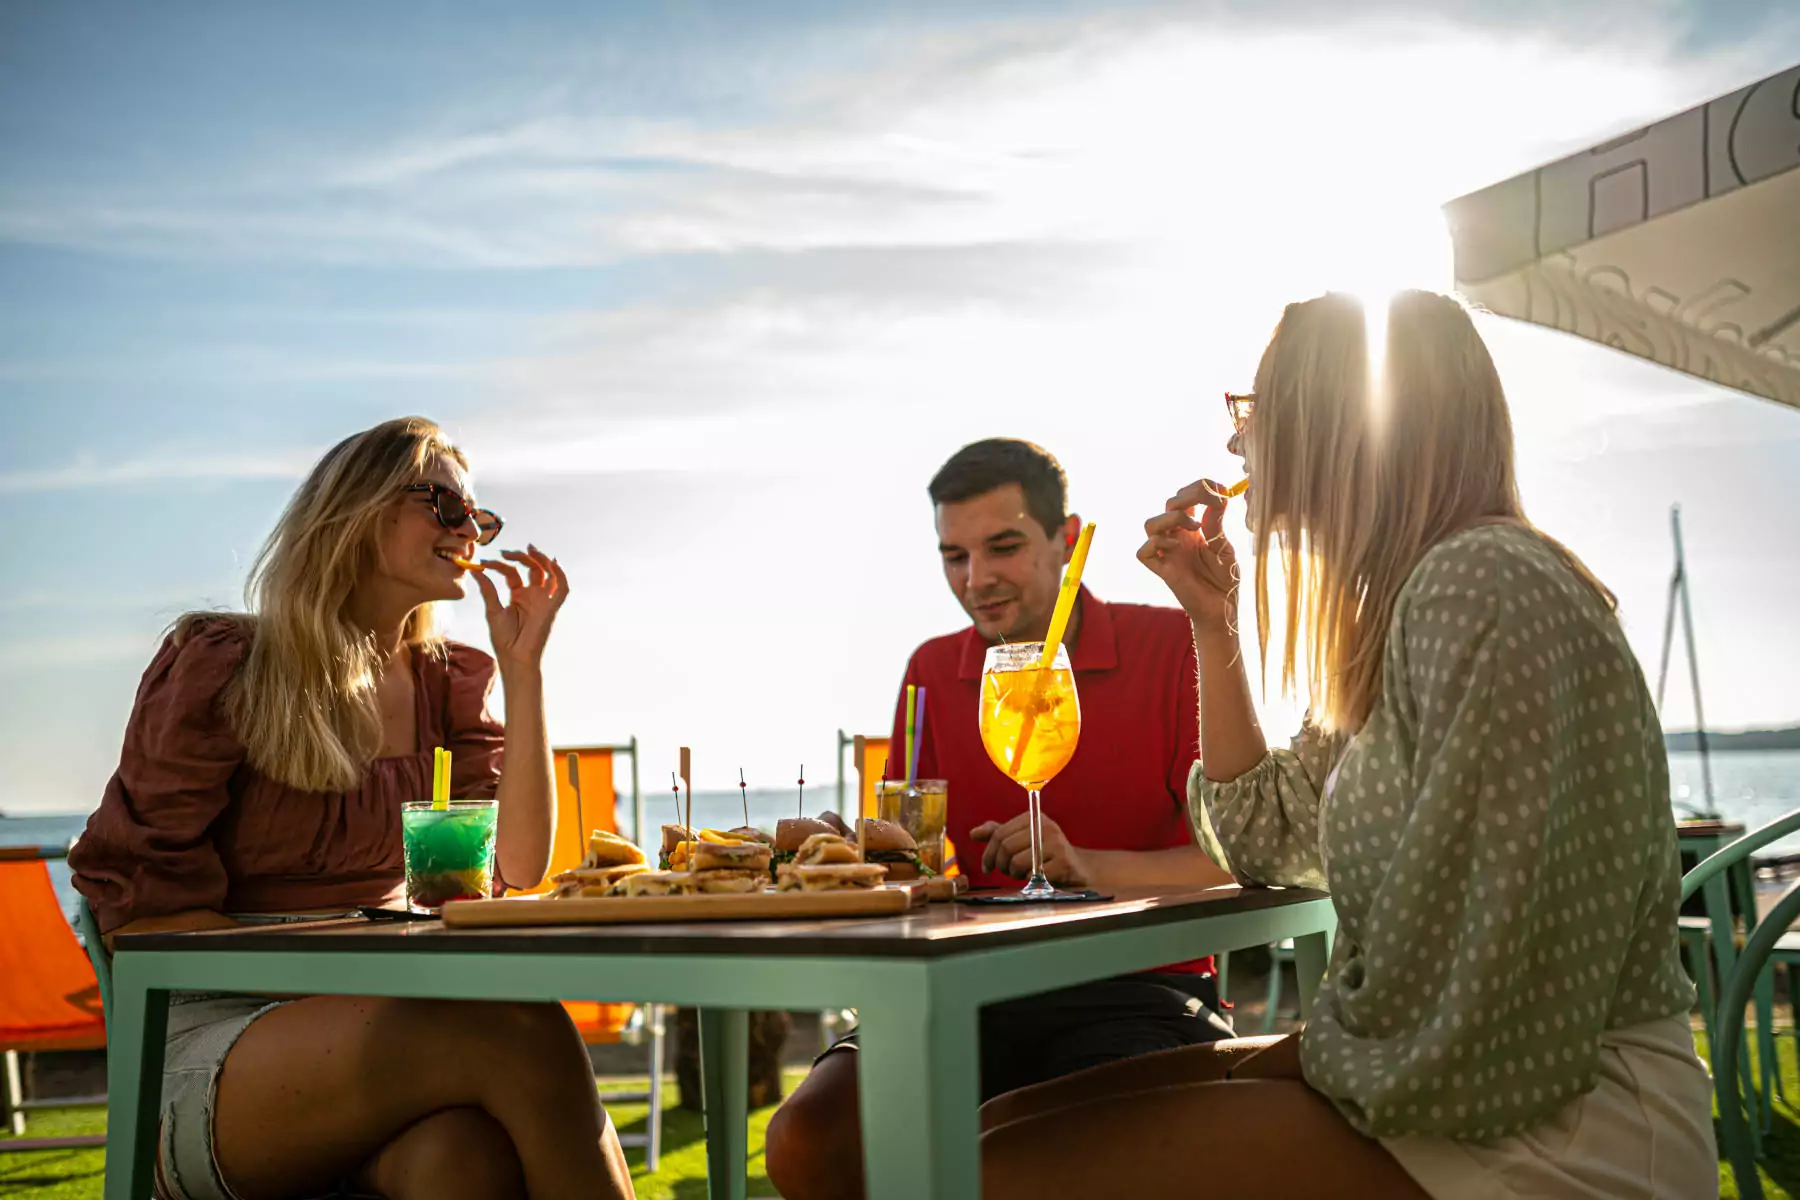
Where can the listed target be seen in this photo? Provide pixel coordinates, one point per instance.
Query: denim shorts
(203, 1027)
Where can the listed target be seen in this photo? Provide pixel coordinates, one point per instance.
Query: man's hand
(1009, 851)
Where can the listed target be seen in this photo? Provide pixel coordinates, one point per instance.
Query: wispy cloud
(1103, 127)
(88, 471)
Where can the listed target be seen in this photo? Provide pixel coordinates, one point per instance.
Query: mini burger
(750, 833)
(674, 842)
(888, 843)
(790, 834)
(610, 850)
(585, 883)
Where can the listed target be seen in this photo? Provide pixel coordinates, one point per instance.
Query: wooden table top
(935, 931)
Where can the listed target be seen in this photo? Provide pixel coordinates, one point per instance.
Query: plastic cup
(449, 851)
(919, 808)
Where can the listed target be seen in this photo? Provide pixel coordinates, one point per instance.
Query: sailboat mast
(1679, 588)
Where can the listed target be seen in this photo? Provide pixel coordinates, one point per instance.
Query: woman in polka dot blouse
(1481, 786)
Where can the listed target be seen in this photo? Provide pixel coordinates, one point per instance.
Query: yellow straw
(1059, 623)
(911, 707)
(440, 778)
(1065, 599)
(1237, 489)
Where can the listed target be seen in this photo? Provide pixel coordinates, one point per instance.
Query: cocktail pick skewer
(744, 795)
(676, 788)
(802, 802)
(574, 763)
(687, 781)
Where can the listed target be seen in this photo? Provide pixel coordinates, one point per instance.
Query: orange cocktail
(1030, 723)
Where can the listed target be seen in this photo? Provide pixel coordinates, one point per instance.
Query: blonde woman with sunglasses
(265, 762)
(1482, 787)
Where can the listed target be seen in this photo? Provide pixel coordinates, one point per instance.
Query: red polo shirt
(1126, 787)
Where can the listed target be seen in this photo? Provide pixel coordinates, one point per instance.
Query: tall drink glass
(449, 851)
(1030, 722)
(919, 808)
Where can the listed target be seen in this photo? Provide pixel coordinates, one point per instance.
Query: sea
(1752, 787)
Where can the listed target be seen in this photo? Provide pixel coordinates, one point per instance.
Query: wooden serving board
(887, 900)
(942, 887)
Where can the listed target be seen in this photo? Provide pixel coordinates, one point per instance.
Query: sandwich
(888, 843)
(790, 833)
(584, 883)
(822, 849)
(830, 877)
(733, 856)
(675, 839)
(610, 850)
(659, 883)
(835, 822)
(730, 881)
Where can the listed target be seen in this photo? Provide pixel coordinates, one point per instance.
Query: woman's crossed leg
(440, 1098)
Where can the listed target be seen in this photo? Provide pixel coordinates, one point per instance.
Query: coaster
(1079, 896)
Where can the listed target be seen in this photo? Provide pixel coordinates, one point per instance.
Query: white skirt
(1644, 1133)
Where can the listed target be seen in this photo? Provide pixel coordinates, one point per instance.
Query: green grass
(1780, 1165)
(77, 1174)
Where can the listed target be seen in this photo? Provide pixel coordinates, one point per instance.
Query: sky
(707, 292)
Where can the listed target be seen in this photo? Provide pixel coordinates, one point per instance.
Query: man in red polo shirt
(1115, 817)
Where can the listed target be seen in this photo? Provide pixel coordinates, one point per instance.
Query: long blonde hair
(1363, 463)
(304, 703)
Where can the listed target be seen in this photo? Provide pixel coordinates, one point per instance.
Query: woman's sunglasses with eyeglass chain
(452, 510)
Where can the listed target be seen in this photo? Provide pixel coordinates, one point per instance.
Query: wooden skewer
(802, 802)
(574, 762)
(744, 795)
(687, 779)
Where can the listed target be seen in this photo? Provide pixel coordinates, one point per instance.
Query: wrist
(521, 677)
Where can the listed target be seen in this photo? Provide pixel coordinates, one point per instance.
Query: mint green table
(918, 982)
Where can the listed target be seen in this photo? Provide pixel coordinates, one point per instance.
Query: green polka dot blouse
(1498, 843)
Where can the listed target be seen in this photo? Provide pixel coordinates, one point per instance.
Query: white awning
(1679, 242)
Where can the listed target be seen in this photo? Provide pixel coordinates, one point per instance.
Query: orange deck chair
(49, 998)
(587, 799)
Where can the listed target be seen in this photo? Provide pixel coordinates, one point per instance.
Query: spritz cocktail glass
(1030, 722)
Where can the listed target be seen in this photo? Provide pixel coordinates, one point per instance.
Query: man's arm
(1009, 851)
(1183, 866)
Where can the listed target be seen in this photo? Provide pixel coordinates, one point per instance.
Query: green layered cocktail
(449, 851)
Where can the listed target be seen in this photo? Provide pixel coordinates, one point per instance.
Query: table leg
(725, 1095)
(1312, 952)
(919, 1075)
(136, 1032)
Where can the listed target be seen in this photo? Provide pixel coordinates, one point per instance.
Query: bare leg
(1227, 1138)
(318, 1088)
(1205, 1063)
(814, 1146)
(455, 1154)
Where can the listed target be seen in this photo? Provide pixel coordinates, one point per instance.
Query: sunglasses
(1240, 405)
(452, 510)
